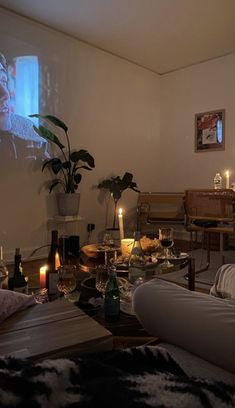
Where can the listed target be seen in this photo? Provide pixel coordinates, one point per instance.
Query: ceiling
(161, 35)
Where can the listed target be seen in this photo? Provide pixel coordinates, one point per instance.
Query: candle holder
(41, 295)
(126, 246)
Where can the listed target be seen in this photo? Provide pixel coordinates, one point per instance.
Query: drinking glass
(102, 275)
(166, 242)
(67, 281)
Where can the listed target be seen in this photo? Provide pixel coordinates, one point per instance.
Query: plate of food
(94, 250)
(122, 264)
(172, 257)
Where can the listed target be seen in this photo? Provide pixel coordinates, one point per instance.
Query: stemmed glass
(166, 242)
(102, 275)
(67, 281)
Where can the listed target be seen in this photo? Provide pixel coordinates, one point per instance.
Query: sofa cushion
(12, 302)
(197, 322)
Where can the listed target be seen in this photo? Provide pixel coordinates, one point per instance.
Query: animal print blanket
(141, 377)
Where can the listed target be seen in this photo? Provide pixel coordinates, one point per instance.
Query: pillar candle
(43, 273)
(227, 179)
(120, 220)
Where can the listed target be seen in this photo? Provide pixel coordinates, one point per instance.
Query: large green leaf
(77, 178)
(56, 165)
(48, 135)
(67, 165)
(52, 119)
(84, 156)
(127, 178)
(116, 185)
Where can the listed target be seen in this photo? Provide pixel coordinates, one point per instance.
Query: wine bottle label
(53, 280)
(21, 289)
(112, 307)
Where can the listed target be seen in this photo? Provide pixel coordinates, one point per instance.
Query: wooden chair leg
(191, 274)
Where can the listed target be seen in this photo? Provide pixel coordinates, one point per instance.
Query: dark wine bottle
(53, 263)
(18, 282)
(112, 297)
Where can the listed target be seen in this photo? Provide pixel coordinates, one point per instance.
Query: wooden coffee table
(54, 329)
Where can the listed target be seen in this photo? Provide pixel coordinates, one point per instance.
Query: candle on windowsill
(227, 179)
(43, 274)
(120, 220)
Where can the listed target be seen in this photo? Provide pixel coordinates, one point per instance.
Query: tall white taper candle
(120, 220)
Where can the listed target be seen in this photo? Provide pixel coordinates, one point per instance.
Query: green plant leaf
(66, 165)
(77, 178)
(52, 119)
(48, 135)
(84, 156)
(56, 165)
(116, 185)
(127, 178)
(46, 163)
(55, 183)
(82, 167)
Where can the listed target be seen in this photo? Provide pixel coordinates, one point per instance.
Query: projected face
(5, 118)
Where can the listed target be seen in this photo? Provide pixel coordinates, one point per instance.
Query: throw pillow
(12, 302)
(199, 323)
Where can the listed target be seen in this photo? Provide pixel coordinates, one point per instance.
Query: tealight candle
(43, 273)
(227, 179)
(120, 220)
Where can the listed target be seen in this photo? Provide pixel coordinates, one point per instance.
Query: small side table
(67, 225)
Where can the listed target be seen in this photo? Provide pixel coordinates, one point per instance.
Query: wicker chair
(209, 211)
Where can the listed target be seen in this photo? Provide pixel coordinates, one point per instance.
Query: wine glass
(166, 242)
(67, 281)
(102, 275)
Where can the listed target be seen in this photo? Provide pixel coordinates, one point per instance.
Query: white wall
(111, 108)
(200, 88)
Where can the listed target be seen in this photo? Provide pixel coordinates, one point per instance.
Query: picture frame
(210, 131)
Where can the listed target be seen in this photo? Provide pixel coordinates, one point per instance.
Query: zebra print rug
(141, 377)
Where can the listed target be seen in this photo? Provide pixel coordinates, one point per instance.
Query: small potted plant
(66, 167)
(116, 185)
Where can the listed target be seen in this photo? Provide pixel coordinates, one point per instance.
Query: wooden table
(54, 329)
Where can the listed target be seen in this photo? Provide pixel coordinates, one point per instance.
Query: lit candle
(120, 220)
(43, 273)
(126, 246)
(227, 179)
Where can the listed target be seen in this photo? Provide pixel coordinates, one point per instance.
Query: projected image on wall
(19, 97)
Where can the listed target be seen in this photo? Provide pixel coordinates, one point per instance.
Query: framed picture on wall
(210, 131)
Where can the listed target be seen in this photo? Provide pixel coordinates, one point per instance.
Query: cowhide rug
(141, 377)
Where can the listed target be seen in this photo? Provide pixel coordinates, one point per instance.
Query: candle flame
(227, 173)
(120, 211)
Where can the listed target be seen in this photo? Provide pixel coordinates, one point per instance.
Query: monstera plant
(67, 166)
(116, 185)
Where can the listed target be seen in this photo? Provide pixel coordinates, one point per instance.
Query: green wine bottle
(112, 297)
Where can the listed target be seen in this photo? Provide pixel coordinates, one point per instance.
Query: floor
(204, 280)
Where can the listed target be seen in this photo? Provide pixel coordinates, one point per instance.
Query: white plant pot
(68, 204)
